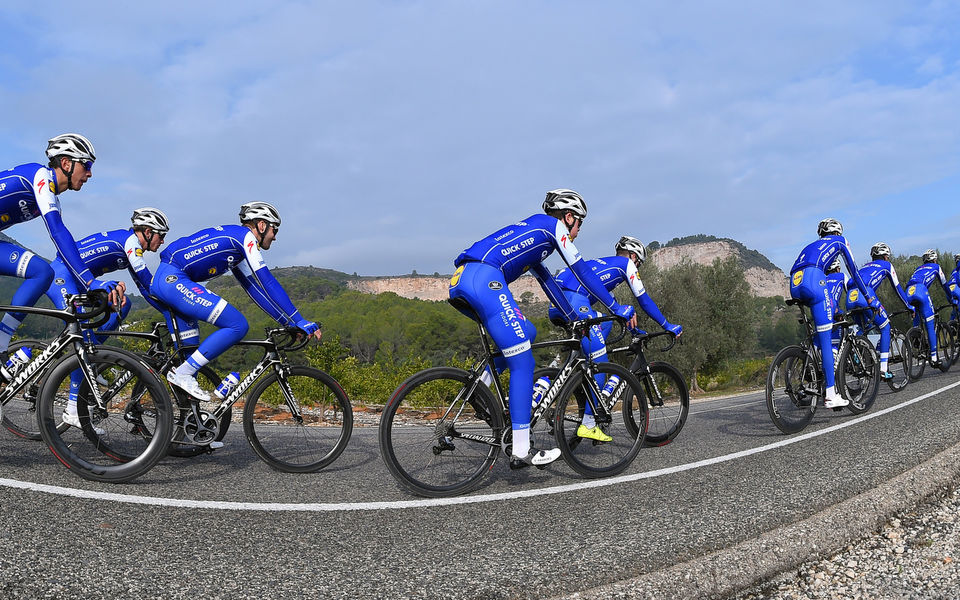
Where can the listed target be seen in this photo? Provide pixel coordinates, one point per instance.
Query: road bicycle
(297, 419)
(39, 390)
(920, 345)
(901, 359)
(795, 381)
(442, 429)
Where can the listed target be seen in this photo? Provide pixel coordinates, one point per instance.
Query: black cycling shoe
(536, 458)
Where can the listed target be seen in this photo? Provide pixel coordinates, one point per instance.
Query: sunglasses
(87, 164)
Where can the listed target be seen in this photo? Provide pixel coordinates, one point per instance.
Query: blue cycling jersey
(29, 191)
(837, 287)
(216, 250)
(927, 273)
(110, 251)
(821, 253)
(524, 246)
(874, 272)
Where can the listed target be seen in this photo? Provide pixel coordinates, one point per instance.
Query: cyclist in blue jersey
(630, 253)
(808, 283)
(953, 284)
(107, 252)
(483, 272)
(873, 274)
(29, 191)
(918, 293)
(206, 254)
(837, 283)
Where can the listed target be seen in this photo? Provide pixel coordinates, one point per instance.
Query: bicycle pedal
(837, 409)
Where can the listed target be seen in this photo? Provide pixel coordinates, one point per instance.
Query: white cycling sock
(521, 442)
(192, 364)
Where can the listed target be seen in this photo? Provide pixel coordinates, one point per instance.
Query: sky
(392, 135)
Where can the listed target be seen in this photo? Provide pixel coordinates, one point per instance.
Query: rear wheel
(859, 374)
(900, 360)
(794, 385)
(946, 349)
(918, 352)
(668, 402)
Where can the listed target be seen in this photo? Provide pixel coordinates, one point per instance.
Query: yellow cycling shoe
(593, 433)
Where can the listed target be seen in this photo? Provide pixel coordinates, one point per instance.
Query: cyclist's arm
(943, 284)
(553, 291)
(899, 288)
(138, 267)
(62, 239)
(251, 283)
(582, 271)
(868, 294)
(643, 299)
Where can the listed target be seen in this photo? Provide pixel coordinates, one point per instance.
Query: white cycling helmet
(252, 211)
(632, 244)
(835, 266)
(829, 227)
(956, 257)
(565, 200)
(930, 256)
(880, 249)
(152, 218)
(73, 145)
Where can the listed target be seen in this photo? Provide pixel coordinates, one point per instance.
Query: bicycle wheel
(859, 374)
(918, 352)
(945, 347)
(435, 439)
(668, 403)
(622, 416)
(954, 328)
(794, 384)
(109, 446)
(20, 412)
(298, 423)
(183, 416)
(899, 362)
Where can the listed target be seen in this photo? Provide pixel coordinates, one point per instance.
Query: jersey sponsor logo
(4, 218)
(508, 250)
(797, 277)
(607, 276)
(250, 246)
(231, 259)
(199, 251)
(170, 278)
(40, 185)
(25, 209)
(456, 276)
(3, 186)
(854, 294)
(544, 255)
(14, 256)
(584, 309)
(563, 240)
(121, 262)
(911, 290)
(92, 251)
(59, 281)
(495, 285)
(953, 286)
(512, 317)
(138, 251)
(212, 271)
(503, 235)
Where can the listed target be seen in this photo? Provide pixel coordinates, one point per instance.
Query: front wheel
(900, 361)
(299, 421)
(20, 412)
(622, 415)
(437, 437)
(945, 347)
(110, 445)
(918, 352)
(859, 374)
(794, 384)
(668, 401)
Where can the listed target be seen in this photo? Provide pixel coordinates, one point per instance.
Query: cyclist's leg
(192, 302)
(918, 295)
(18, 262)
(809, 286)
(882, 321)
(594, 345)
(484, 288)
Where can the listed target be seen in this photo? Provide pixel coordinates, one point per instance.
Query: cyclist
(206, 254)
(630, 253)
(873, 274)
(808, 284)
(483, 272)
(918, 293)
(107, 252)
(29, 191)
(954, 284)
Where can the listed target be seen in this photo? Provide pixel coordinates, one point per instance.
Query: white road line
(741, 405)
(427, 503)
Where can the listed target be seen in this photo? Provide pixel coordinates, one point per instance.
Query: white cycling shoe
(189, 385)
(215, 445)
(74, 421)
(837, 402)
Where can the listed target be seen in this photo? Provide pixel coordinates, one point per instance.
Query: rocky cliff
(764, 281)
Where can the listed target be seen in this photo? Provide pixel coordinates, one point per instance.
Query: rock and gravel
(916, 554)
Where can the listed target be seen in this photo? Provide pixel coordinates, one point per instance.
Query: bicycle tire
(120, 453)
(20, 412)
(954, 328)
(858, 377)
(668, 402)
(794, 385)
(945, 347)
(899, 362)
(918, 350)
(424, 447)
(209, 380)
(588, 457)
(303, 444)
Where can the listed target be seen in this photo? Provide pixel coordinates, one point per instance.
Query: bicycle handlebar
(289, 339)
(97, 300)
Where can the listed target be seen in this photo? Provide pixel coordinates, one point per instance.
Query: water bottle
(540, 387)
(226, 386)
(16, 361)
(612, 382)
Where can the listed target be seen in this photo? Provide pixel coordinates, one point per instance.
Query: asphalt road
(226, 525)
